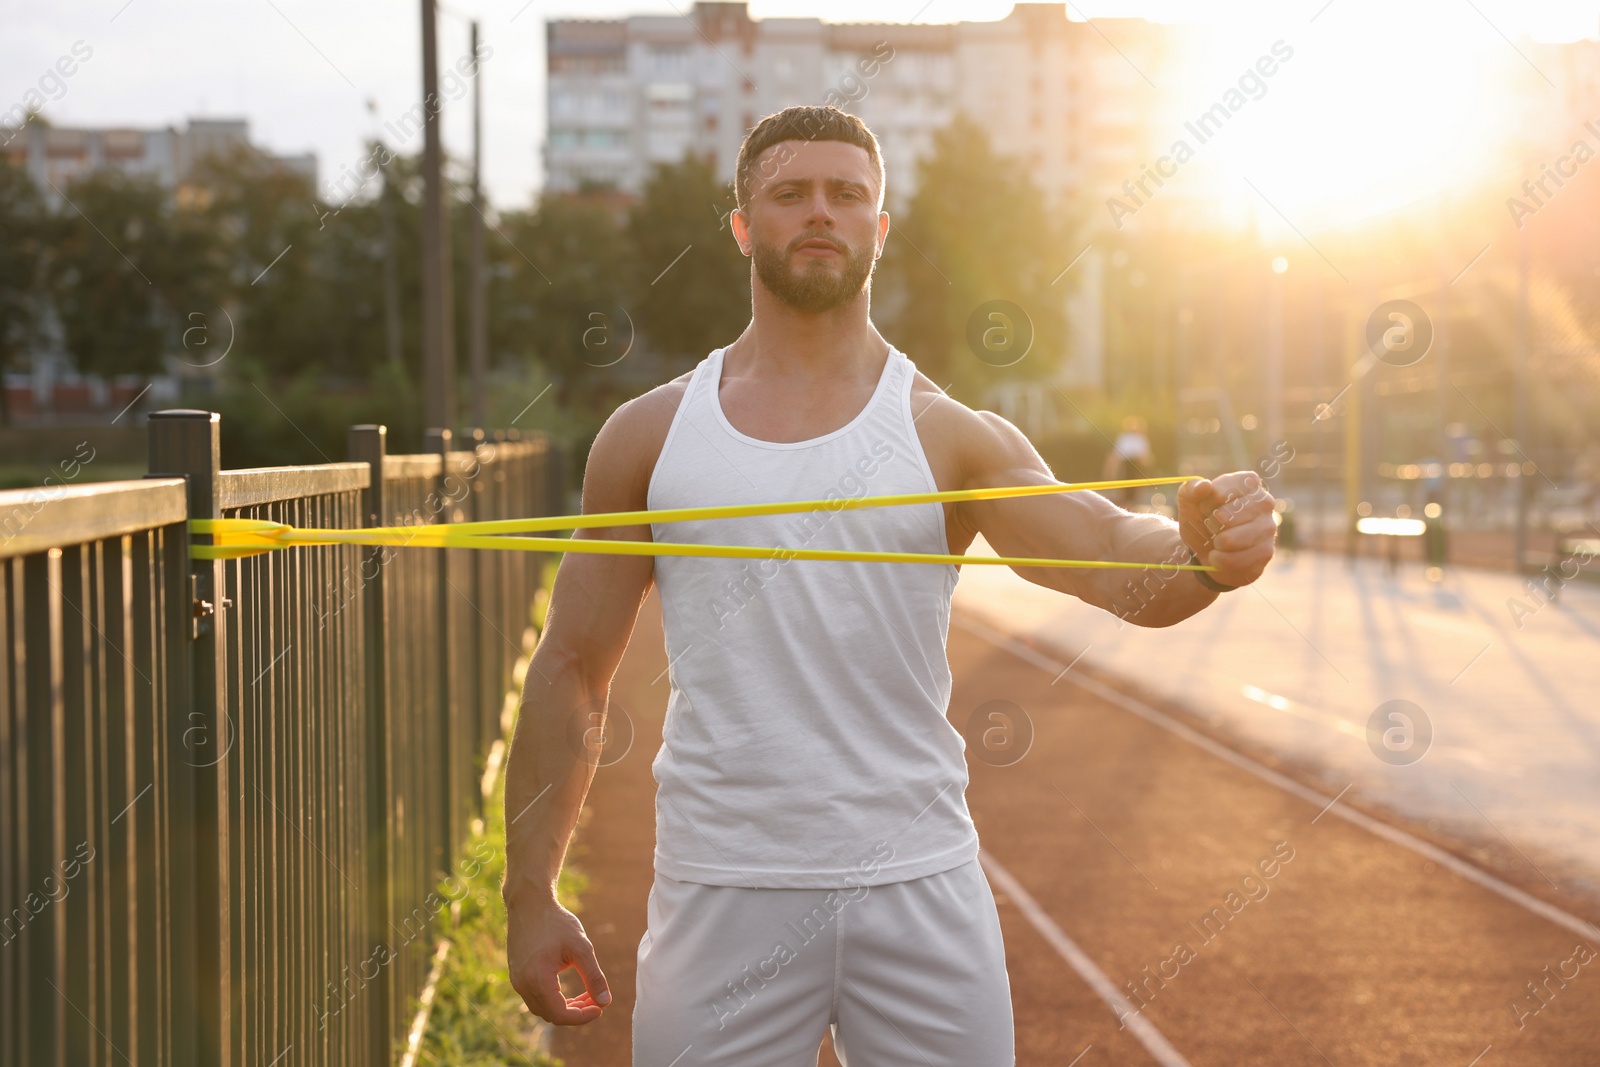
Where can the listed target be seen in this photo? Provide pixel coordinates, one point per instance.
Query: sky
(324, 75)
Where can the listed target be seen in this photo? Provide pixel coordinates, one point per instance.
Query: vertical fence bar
(44, 940)
(368, 444)
(166, 972)
(505, 589)
(76, 765)
(485, 581)
(188, 443)
(121, 742)
(13, 815)
(438, 441)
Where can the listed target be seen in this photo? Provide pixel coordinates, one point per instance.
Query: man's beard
(813, 287)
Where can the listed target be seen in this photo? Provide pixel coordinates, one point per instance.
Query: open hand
(1227, 523)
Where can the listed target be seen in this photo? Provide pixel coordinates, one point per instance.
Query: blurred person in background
(1130, 457)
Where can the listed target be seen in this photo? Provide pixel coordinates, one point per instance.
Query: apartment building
(55, 155)
(1063, 98)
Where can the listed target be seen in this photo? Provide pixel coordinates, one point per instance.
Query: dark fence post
(438, 441)
(484, 587)
(509, 609)
(188, 443)
(368, 444)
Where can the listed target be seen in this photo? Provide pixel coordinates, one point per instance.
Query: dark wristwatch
(1206, 579)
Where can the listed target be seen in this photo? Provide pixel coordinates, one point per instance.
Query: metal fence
(229, 790)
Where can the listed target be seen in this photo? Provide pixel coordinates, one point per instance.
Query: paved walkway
(1296, 666)
(1120, 833)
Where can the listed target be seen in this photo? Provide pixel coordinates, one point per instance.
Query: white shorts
(910, 973)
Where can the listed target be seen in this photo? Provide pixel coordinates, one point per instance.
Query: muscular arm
(593, 607)
(1226, 522)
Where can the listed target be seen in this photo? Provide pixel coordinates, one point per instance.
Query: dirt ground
(1356, 951)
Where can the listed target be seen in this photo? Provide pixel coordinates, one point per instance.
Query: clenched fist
(1227, 523)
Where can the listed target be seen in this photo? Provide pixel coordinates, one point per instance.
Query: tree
(689, 305)
(127, 263)
(24, 242)
(976, 230)
(561, 291)
(273, 231)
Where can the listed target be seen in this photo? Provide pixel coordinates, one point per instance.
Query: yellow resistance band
(237, 538)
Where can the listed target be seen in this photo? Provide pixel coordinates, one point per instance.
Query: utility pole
(1441, 349)
(1272, 417)
(1354, 454)
(1318, 338)
(1522, 395)
(438, 318)
(477, 295)
(391, 267)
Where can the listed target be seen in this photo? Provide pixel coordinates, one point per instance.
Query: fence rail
(229, 789)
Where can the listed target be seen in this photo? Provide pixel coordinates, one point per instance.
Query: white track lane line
(1476, 875)
(1151, 1038)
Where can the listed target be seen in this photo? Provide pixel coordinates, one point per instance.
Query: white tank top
(806, 743)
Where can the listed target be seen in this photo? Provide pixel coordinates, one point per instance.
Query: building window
(587, 65)
(670, 62)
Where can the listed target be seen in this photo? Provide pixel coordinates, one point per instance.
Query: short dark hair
(803, 122)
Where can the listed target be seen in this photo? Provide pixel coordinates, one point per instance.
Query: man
(816, 865)
(1129, 457)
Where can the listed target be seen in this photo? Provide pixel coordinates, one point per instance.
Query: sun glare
(1367, 115)
(1381, 106)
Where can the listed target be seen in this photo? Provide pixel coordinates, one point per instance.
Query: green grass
(478, 1020)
